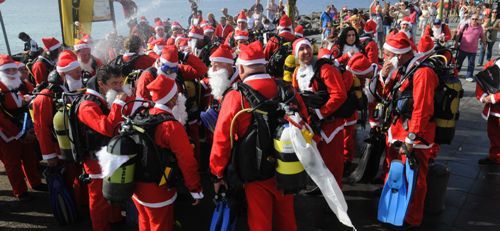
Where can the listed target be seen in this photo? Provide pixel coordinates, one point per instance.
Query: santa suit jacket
(445, 30)
(335, 87)
(11, 102)
(193, 69)
(141, 63)
(273, 44)
(43, 115)
(170, 135)
(493, 108)
(40, 69)
(425, 82)
(371, 51)
(222, 32)
(348, 80)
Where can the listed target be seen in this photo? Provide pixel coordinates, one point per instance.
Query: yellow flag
(72, 11)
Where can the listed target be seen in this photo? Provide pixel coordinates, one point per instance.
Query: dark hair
(23, 36)
(343, 38)
(133, 43)
(107, 72)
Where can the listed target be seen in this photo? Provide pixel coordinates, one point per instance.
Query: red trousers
(415, 212)
(268, 206)
(332, 154)
(494, 136)
(349, 142)
(20, 161)
(102, 213)
(155, 219)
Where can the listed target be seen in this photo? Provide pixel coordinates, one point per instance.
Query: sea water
(40, 18)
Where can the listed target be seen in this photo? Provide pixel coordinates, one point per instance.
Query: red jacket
(273, 43)
(425, 82)
(171, 135)
(40, 70)
(336, 88)
(371, 51)
(141, 63)
(490, 109)
(223, 32)
(445, 30)
(11, 101)
(194, 69)
(43, 115)
(221, 146)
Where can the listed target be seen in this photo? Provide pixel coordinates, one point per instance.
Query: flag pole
(5, 33)
(61, 20)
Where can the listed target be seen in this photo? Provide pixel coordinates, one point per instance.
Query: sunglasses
(474, 19)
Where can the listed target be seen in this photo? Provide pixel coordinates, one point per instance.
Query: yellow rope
(236, 116)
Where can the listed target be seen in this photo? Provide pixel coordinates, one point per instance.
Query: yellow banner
(72, 11)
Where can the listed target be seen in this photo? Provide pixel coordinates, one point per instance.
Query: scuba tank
(61, 130)
(289, 68)
(120, 185)
(290, 174)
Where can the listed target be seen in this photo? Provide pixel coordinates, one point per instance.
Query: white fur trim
(193, 35)
(482, 97)
(164, 108)
(241, 20)
(156, 205)
(357, 72)
(94, 93)
(222, 60)
(8, 66)
(78, 47)
(250, 62)
(197, 195)
(73, 65)
(299, 44)
(329, 139)
(240, 37)
(169, 96)
(397, 51)
(318, 113)
(119, 102)
(56, 46)
(299, 34)
(95, 176)
(168, 63)
(350, 123)
(49, 156)
(208, 31)
(492, 97)
(257, 76)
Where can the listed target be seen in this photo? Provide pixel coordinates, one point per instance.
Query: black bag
(125, 67)
(489, 79)
(275, 66)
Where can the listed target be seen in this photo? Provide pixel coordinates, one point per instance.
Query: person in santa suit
(438, 31)
(222, 73)
(43, 106)
(268, 207)
(99, 114)
(328, 128)
(368, 41)
(45, 63)
(406, 27)
(242, 25)
(159, 32)
(223, 29)
(299, 31)
(209, 32)
(155, 203)
(417, 132)
(176, 29)
(285, 35)
(491, 113)
(135, 53)
(88, 62)
(346, 46)
(196, 40)
(16, 144)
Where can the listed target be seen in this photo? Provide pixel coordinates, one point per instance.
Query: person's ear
(241, 70)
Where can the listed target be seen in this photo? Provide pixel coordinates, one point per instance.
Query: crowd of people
(362, 61)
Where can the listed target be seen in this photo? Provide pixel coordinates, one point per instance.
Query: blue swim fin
(61, 197)
(217, 217)
(393, 201)
(228, 219)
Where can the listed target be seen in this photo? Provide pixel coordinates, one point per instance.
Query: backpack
(489, 79)
(275, 66)
(253, 155)
(446, 97)
(125, 67)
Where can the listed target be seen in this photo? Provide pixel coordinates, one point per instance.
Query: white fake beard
(436, 32)
(179, 110)
(86, 66)
(127, 88)
(73, 84)
(304, 76)
(11, 81)
(219, 82)
(111, 96)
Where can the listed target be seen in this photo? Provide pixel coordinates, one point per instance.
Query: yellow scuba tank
(289, 68)
(120, 186)
(290, 174)
(61, 129)
(358, 92)
(30, 109)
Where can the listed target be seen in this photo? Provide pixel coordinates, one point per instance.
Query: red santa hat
(285, 22)
(162, 89)
(176, 25)
(20, 64)
(169, 56)
(298, 43)
(242, 17)
(208, 29)
(51, 43)
(406, 20)
(196, 32)
(159, 25)
(241, 35)
(158, 45)
(82, 44)
(203, 23)
(67, 61)
(370, 27)
(251, 54)
(398, 43)
(6, 62)
(183, 43)
(359, 64)
(426, 45)
(324, 53)
(299, 31)
(222, 54)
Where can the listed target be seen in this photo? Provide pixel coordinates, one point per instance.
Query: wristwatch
(412, 137)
